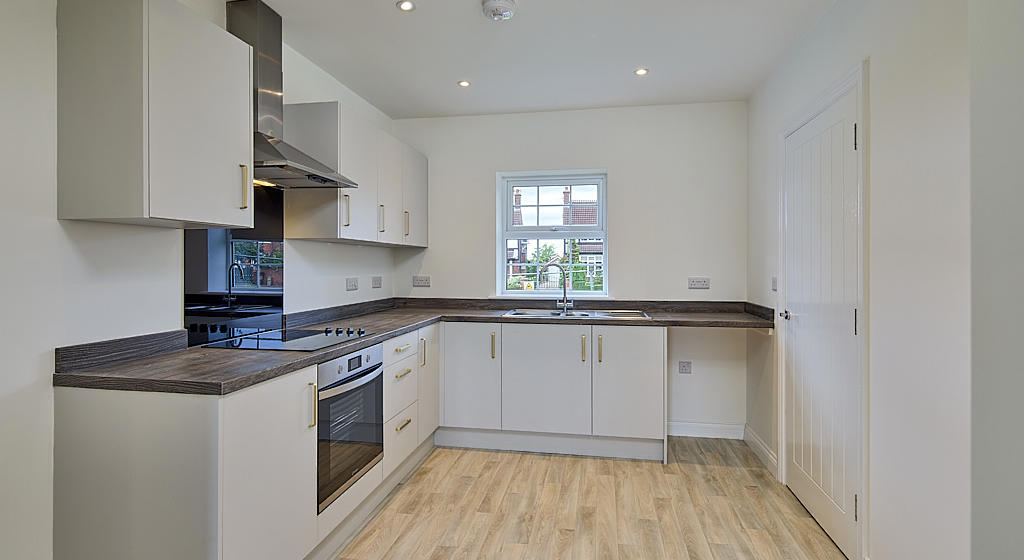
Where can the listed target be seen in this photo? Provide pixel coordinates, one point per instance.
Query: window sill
(550, 296)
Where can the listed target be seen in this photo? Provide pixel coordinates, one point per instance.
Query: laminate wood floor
(713, 501)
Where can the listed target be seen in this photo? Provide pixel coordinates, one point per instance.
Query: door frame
(855, 80)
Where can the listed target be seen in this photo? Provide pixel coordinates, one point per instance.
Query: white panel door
(629, 382)
(472, 375)
(546, 378)
(429, 382)
(414, 196)
(268, 453)
(822, 362)
(358, 207)
(200, 119)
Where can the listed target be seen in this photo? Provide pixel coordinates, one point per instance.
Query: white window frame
(505, 182)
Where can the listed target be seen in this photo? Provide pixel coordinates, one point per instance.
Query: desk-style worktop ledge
(217, 371)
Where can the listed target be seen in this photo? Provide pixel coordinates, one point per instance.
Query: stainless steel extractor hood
(275, 162)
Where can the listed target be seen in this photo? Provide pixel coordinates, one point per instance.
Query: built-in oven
(350, 438)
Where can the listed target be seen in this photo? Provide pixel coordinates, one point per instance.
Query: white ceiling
(555, 54)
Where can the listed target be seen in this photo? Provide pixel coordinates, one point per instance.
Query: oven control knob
(361, 332)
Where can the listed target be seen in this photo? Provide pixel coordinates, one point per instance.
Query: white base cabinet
(629, 381)
(165, 476)
(546, 377)
(472, 375)
(429, 380)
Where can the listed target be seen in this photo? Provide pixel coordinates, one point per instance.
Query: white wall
(315, 272)
(65, 282)
(711, 401)
(676, 194)
(997, 276)
(918, 252)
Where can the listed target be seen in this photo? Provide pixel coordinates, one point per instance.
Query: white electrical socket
(686, 367)
(420, 281)
(377, 282)
(351, 284)
(699, 283)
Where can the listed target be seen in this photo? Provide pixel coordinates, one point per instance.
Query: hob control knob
(361, 332)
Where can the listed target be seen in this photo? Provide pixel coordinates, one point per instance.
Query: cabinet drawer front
(400, 438)
(399, 348)
(400, 388)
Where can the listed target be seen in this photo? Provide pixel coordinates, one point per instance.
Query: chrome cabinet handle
(407, 223)
(786, 315)
(401, 349)
(245, 186)
(404, 424)
(316, 407)
(600, 348)
(492, 345)
(348, 210)
(423, 343)
(583, 347)
(403, 374)
(383, 220)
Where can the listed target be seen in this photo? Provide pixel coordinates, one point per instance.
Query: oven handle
(335, 390)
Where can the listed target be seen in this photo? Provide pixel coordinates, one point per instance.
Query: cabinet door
(429, 382)
(268, 448)
(629, 382)
(200, 119)
(358, 207)
(390, 222)
(546, 378)
(472, 375)
(414, 197)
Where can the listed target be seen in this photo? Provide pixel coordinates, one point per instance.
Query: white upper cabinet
(154, 116)
(629, 381)
(545, 383)
(414, 196)
(390, 221)
(346, 142)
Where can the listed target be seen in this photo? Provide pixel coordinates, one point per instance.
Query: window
(262, 264)
(552, 218)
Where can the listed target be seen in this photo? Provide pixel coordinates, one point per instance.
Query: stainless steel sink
(579, 314)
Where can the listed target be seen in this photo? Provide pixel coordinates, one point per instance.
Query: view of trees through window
(262, 264)
(529, 260)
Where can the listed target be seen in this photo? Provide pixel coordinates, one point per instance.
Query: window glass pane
(553, 216)
(261, 263)
(584, 193)
(524, 215)
(548, 251)
(553, 195)
(527, 196)
(583, 259)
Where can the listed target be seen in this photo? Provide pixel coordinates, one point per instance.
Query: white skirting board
(591, 446)
(333, 544)
(704, 430)
(765, 453)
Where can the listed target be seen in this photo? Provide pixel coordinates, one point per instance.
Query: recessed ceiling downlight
(500, 10)
(464, 83)
(641, 71)
(406, 5)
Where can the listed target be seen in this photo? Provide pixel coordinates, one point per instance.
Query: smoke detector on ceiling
(500, 10)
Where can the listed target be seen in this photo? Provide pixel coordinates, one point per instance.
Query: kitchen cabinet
(414, 196)
(390, 221)
(346, 141)
(429, 379)
(269, 469)
(400, 438)
(152, 129)
(546, 378)
(629, 381)
(400, 389)
(472, 375)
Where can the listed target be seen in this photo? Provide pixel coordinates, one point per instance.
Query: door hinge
(855, 508)
(855, 136)
(855, 316)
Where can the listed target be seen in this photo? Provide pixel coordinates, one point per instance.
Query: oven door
(350, 438)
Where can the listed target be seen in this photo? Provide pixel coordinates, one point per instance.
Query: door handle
(492, 345)
(404, 424)
(404, 373)
(316, 407)
(383, 220)
(348, 210)
(786, 315)
(583, 347)
(245, 186)
(407, 223)
(600, 348)
(423, 342)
